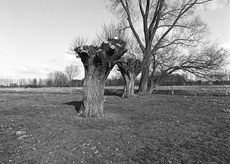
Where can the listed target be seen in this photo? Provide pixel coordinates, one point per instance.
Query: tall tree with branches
(71, 71)
(174, 46)
(157, 17)
(198, 61)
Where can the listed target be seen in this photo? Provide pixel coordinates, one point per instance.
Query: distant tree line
(176, 79)
(214, 78)
(60, 79)
(54, 79)
(217, 78)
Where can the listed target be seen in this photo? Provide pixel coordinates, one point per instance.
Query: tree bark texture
(98, 62)
(129, 69)
(129, 86)
(143, 86)
(153, 85)
(93, 96)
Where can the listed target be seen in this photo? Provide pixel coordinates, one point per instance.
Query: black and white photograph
(114, 81)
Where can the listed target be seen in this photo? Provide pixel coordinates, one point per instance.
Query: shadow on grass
(76, 104)
(108, 92)
(114, 92)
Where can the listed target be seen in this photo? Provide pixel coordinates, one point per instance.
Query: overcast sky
(35, 34)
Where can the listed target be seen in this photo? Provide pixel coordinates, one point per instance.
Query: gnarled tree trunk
(93, 96)
(129, 86)
(98, 62)
(129, 69)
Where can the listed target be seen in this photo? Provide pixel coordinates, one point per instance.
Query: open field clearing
(40, 90)
(45, 128)
(203, 90)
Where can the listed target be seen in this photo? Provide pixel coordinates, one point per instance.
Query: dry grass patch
(45, 128)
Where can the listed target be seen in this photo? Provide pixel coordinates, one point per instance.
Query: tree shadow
(77, 105)
(116, 92)
(113, 92)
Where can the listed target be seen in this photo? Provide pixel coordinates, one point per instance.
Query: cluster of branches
(62, 79)
(172, 38)
(23, 82)
(200, 62)
(170, 32)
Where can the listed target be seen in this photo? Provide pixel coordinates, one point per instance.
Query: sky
(35, 34)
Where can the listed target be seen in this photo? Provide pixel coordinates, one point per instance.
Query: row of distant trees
(22, 82)
(217, 78)
(54, 79)
(66, 79)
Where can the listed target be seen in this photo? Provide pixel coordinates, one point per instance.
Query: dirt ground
(39, 128)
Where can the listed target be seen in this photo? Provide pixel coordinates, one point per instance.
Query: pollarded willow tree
(130, 65)
(158, 18)
(129, 68)
(98, 61)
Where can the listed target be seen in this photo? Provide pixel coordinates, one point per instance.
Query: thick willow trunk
(93, 97)
(129, 86)
(129, 68)
(98, 62)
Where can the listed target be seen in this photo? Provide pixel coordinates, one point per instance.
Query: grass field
(203, 90)
(40, 128)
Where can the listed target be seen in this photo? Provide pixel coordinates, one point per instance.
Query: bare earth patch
(45, 128)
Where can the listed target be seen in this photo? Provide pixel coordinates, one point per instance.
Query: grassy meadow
(203, 90)
(41, 127)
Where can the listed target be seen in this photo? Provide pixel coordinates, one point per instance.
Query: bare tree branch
(77, 42)
(165, 14)
(72, 71)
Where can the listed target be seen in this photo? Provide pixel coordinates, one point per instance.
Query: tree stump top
(112, 49)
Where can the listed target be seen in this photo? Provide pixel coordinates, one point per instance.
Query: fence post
(172, 90)
(70, 91)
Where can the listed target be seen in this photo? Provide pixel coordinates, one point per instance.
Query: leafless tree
(174, 47)
(158, 18)
(41, 82)
(57, 79)
(77, 41)
(60, 79)
(198, 61)
(218, 75)
(129, 66)
(22, 82)
(98, 61)
(50, 79)
(71, 71)
(111, 30)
